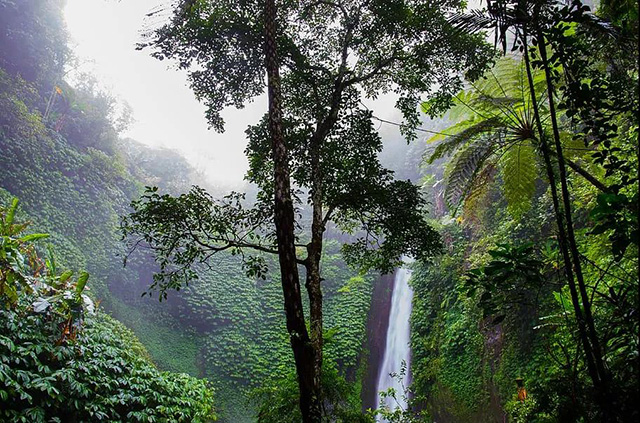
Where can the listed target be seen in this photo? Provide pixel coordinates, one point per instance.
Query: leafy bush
(521, 411)
(62, 362)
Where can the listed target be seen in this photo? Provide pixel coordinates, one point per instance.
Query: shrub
(61, 361)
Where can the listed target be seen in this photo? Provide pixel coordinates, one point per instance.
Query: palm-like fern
(495, 130)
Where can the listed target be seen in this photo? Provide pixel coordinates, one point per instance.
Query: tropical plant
(17, 256)
(60, 361)
(513, 277)
(555, 30)
(494, 136)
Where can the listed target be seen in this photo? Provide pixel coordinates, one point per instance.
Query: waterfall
(397, 347)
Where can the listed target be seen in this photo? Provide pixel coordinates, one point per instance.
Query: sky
(103, 36)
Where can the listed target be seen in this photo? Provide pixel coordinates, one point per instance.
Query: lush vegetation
(62, 155)
(544, 149)
(317, 137)
(529, 192)
(64, 361)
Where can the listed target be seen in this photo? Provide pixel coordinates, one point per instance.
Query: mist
(166, 114)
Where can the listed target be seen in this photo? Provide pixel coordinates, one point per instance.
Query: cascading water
(397, 348)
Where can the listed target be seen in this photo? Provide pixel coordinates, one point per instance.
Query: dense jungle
(345, 211)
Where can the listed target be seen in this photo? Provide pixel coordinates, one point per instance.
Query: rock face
(377, 323)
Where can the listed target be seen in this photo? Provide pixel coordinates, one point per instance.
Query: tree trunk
(314, 291)
(314, 250)
(301, 345)
(562, 238)
(603, 389)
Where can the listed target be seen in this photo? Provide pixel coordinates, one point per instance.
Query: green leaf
(11, 213)
(519, 174)
(65, 276)
(82, 282)
(33, 237)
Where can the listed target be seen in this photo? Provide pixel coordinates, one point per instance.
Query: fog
(103, 37)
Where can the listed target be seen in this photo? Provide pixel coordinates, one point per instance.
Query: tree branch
(586, 175)
(379, 67)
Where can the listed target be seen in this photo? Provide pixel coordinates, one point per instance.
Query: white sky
(103, 36)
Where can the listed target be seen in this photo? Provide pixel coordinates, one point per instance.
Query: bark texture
(303, 349)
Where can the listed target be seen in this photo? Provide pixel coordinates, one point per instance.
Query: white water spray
(397, 347)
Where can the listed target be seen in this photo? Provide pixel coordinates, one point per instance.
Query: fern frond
(454, 142)
(467, 164)
(477, 195)
(460, 108)
(519, 174)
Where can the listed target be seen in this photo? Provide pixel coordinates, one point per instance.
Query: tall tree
(305, 354)
(33, 42)
(331, 55)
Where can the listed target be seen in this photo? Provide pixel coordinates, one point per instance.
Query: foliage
(102, 374)
(190, 228)
(240, 324)
(537, 339)
(17, 98)
(382, 36)
(14, 276)
(616, 214)
(329, 148)
(33, 43)
(495, 131)
(397, 413)
(279, 401)
(76, 178)
(521, 411)
(225, 326)
(61, 362)
(447, 362)
(322, 89)
(512, 277)
(585, 114)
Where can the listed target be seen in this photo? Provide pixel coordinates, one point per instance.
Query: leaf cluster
(508, 280)
(61, 362)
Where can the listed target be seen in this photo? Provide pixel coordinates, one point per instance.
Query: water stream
(397, 348)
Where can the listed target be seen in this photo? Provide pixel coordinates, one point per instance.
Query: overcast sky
(104, 34)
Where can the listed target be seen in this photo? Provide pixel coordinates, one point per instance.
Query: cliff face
(377, 323)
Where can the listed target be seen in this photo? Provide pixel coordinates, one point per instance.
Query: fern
(495, 130)
(495, 126)
(465, 136)
(519, 174)
(466, 166)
